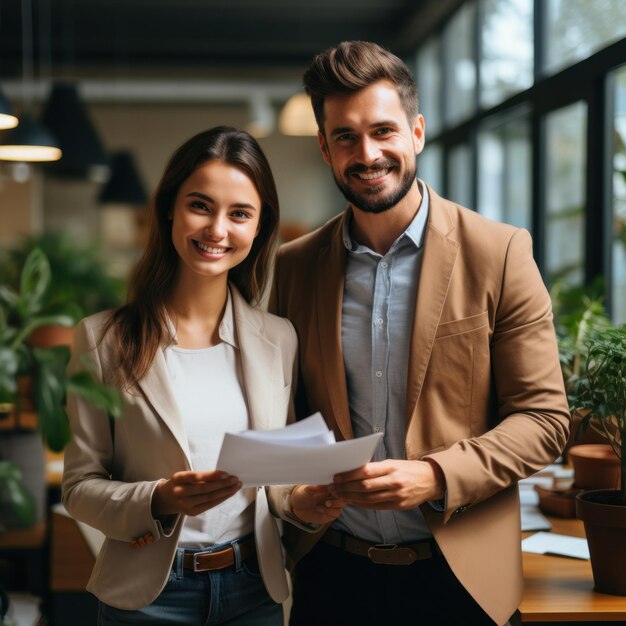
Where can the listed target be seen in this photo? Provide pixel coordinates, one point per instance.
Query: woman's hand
(192, 493)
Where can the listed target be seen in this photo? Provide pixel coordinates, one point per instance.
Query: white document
(302, 453)
(556, 545)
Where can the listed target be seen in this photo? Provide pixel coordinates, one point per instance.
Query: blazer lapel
(158, 391)
(260, 361)
(330, 276)
(440, 251)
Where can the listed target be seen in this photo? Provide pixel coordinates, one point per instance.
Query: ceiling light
(7, 119)
(66, 116)
(297, 117)
(124, 185)
(29, 142)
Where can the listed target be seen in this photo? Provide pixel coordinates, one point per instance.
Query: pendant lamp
(125, 185)
(297, 117)
(66, 116)
(7, 119)
(29, 141)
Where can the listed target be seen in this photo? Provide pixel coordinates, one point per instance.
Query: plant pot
(51, 335)
(596, 466)
(604, 516)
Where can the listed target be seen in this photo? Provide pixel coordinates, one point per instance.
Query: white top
(209, 391)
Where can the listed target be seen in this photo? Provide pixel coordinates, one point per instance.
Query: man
(423, 320)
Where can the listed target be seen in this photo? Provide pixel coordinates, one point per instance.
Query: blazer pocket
(464, 325)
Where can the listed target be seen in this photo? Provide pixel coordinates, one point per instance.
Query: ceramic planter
(596, 466)
(604, 516)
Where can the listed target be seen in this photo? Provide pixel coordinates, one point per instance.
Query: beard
(372, 201)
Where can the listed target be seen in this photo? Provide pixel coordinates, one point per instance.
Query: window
(566, 149)
(504, 170)
(429, 85)
(618, 251)
(429, 166)
(460, 175)
(577, 28)
(506, 64)
(460, 65)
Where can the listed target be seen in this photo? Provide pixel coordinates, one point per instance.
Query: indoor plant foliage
(81, 285)
(598, 396)
(22, 311)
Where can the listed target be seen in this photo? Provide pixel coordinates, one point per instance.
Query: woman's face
(215, 219)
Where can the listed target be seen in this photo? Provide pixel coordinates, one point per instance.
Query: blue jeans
(234, 595)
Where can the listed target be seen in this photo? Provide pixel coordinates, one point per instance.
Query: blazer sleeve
(118, 509)
(533, 414)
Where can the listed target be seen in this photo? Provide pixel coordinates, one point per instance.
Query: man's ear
(419, 133)
(323, 147)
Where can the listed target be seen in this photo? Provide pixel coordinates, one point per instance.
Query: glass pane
(618, 286)
(506, 64)
(575, 29)
(460, 65)
(429, 166)
(460, 175)
(504, 171)
(429, 85)
(566, 144)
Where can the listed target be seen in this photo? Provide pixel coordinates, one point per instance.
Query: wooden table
(560, 589)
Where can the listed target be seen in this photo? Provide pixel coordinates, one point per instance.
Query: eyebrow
(348, 129)
(236, 205)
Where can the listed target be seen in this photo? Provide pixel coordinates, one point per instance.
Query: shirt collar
(226, 330)
(415, 230)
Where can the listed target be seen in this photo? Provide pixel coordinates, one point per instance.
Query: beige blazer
(485, 396)
(109, 485)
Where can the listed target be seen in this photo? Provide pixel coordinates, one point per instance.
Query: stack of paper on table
(304, 453)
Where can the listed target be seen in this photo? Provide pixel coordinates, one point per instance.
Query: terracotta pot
(604, 518)
(596, 466)
(51, 335)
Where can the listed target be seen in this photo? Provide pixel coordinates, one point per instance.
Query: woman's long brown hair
(140, 327)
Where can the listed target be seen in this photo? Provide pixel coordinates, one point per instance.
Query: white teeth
(209, 249)
(373, 175)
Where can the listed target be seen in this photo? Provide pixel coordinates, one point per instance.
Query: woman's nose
(216, 227)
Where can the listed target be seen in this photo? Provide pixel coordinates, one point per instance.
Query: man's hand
(192, 493)
(314, 504)
(390, 484)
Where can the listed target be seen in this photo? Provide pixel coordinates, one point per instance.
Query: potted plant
(81, 286)
(38, 372)
(598, 398)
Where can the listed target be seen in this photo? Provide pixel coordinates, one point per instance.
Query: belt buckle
(196, 563)
(391, 554)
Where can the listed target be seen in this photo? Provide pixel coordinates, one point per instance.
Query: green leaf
(18, 504)
(34, 280)
(87, 387)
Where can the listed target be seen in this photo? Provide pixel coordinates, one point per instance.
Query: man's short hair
(353, 65)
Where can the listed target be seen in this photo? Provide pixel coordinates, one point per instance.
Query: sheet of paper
(534, 519)
(277, 457)
(556, 545)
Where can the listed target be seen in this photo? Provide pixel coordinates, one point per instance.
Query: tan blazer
(485, 395)
(109, 485)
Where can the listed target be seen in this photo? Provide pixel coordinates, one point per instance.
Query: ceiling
(171, 39)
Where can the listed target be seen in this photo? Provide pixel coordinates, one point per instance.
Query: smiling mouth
(210, 249)
(372, 175)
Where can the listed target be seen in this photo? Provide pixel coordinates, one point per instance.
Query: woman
(193, 360)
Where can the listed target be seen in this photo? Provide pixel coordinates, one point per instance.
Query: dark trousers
(332, 587)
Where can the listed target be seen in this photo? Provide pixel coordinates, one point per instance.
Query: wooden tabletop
(560, 589)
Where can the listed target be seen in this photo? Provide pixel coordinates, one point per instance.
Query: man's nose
(369, 150)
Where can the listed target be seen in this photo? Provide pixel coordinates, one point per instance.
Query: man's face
(371, 146)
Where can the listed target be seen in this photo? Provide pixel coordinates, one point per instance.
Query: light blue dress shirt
(377, 320)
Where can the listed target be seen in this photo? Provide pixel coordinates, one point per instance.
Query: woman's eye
(197, 204)
(240, 214)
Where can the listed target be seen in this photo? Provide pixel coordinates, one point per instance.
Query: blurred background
(525, 109)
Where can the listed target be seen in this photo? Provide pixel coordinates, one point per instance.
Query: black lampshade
(66, 116)
(124, 185)
(29, 142)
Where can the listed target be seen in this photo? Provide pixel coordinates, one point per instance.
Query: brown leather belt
(382, 553)
(207, 561)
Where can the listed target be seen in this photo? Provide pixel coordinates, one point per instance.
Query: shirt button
(379, 374)
(376, 429)
(379, 321)
(383, 264)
